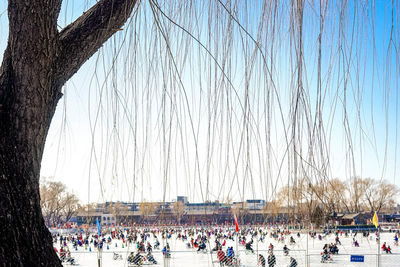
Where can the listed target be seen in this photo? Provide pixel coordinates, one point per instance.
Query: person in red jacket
(384, 246)
(221, 256)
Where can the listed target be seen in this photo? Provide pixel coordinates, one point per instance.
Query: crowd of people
(140, 243)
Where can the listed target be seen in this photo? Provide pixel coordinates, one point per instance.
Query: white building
(108, 219)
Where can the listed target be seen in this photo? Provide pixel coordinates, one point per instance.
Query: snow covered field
(183, 256)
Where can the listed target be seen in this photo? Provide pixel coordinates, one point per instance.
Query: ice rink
(305, 245)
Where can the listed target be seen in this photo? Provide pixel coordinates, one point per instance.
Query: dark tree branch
(32, 43)
(82, 38)
(40, 17)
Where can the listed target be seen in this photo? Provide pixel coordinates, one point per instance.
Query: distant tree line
(303, 200)
(314, 201)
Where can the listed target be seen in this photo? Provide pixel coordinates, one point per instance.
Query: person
(230, 253)
(150, 258)
(130, 257)
(63, 254)
(293, 262)
(285, 250)
(165, 251)
(69, 258)
(217, 245)
(221, 257)
(202, 247)
(325, 256)
(270, 247)
(271, 259)
(149, 247)
(141, 247)
(137, 259)
(388, 250)
(117, 256)
(292, 241)
(334, 249)
(356, 243)
(261, 260)
(248, 246)
(157, 244)
(384, 246)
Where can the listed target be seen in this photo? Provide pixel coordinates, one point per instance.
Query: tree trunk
(38, 60)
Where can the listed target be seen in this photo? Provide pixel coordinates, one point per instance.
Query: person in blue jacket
(230, 253)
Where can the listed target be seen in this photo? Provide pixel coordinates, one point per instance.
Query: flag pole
(379, 247)
(307, 263)
(237, 236)
(375, 221)
(237, 242)
(99, 255)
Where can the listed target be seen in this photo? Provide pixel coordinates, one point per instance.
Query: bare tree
(118, 209)
(71, 206)
(355, 190)
(58, 205)
(37, 62)
(146, 208)
(272, 209)
(379, 195)
(301, 198)
(239, 211)
(178, 209)
(50, 198)
(88, 208)
(307, 200)
(335, 196)
(318, 216)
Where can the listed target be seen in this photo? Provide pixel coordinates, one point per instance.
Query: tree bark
(37, 62)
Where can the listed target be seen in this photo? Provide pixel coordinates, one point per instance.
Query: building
(254, 204)
(251, 211)
(182, 199)
(108, 219)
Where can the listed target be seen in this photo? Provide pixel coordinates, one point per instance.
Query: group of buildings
(181, 211)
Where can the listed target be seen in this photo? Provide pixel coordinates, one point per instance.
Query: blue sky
(108, 140)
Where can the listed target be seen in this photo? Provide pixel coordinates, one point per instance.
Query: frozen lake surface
(183, 256)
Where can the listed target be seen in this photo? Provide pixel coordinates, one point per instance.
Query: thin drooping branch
(83, 37)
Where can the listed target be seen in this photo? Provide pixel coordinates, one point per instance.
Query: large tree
(37, 62)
